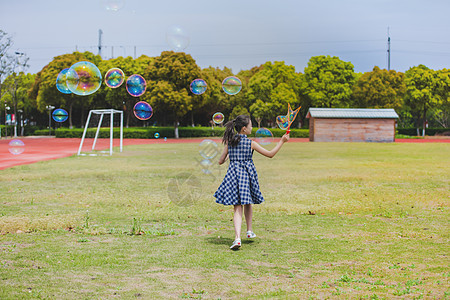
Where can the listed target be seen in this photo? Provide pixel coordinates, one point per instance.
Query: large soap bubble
(16, 147)
(177, 38)
(264, 136)
(232, 85)
(136, 85)
(114, 78)
(61, 84)
(198, 86)
(143, 111)
(208, 149)
(218, 118)
(83, 78)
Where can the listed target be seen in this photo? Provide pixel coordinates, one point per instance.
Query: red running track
(47, 148)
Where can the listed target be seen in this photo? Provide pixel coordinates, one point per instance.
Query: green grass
(341, 220)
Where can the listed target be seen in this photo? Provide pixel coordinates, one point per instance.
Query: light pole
(18, 55)
(6, 116)
(50, 108)
(21, 121)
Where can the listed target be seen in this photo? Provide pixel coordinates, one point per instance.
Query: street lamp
(21, 121)
(50, 108)
(6, 116)
(18, 55)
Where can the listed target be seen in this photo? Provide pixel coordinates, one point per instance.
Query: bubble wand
(284, 122)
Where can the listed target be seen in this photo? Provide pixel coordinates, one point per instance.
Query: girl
(240, 186)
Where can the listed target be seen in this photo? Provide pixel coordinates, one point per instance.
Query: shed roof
(352, 113)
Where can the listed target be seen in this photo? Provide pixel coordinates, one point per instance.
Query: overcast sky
(237, 34)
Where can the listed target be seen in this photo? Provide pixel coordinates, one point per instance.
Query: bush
(43, 132)
(30, 130)
(149, 132)
(9, 128)
(428, 131)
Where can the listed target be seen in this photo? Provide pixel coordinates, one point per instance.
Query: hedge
(149, 132)
(184, 132)
(428, 131)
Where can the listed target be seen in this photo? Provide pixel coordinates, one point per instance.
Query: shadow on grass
(226, 241)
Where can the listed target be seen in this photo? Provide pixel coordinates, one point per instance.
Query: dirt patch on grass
(17, 224)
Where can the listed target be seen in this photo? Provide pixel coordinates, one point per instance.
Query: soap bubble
(113, 5)
(143, 111)
(114, 78)
(218, 118)
(60, 115)
(184, 189)
(232, 85)
(16, 147)
(177, 38)
(208, 149)
(206, 164)
(264, 136)
(198, 86)
(157, 135)
(61, 84)
(136, 85)
(83, 78)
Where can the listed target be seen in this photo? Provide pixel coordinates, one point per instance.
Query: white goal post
(103, 112)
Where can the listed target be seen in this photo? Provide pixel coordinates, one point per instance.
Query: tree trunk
(424, 121)
(176, 129)
(82, 117)
(70, 115)
(192, 118)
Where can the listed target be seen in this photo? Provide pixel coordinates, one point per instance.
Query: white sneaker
(236, 244)
(251, 234)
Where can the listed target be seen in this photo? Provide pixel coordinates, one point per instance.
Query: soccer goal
(97, 117)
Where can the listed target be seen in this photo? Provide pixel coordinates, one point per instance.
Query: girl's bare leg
(248, 211)
(237, 220)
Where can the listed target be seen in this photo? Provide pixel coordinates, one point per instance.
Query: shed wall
(352, 130)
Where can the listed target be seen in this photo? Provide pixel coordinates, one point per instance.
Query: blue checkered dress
(240, 185)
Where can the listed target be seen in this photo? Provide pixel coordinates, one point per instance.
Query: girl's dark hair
(232, 128)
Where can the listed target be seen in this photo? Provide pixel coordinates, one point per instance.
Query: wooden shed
(351, 125)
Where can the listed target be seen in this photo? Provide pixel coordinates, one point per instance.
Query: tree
(44, 88)
(271, 88)
(380, 89)
(215, 99)
(425, 89)
(16, 87)
(260, 110)
(168, 79)
(237, 111)
(119, 98)
(5, 60)
(328, 81)
(442, 112)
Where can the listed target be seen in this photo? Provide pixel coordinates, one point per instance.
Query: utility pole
(100, 32)
(389, 51)
(17, 63)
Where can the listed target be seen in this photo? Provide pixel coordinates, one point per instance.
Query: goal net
(93, 130)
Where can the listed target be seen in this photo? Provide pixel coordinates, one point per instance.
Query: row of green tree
(418, 95)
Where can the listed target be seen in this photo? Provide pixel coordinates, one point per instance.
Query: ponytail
(232, 128)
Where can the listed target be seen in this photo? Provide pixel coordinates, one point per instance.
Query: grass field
(340, 221)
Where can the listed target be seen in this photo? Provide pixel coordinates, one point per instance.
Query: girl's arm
(224, 156)
(271, 153)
